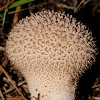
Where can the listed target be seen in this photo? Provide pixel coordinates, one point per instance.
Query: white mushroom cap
(51, 50)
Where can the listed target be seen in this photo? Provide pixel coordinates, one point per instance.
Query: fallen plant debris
(87, 11)
(6, 74)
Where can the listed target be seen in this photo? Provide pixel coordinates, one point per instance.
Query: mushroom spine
(51, 50)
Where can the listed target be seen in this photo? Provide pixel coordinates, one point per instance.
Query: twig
(15, 20)
(18, 10)
(30, 10)
(38, 98)
(75, 3)
(2, 48)
(94, 9)
(64, 6)
(14, 98)
(4, 16)
(95, 86)
(6, 74)
(1, 95)
(6, 5)
(75, 10)
(96, 98)
(87, 2)
(4, 64)
(12, 88)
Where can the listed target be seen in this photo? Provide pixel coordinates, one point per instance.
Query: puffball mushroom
(51, 50)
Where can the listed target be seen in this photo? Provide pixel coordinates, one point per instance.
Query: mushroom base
(59, 96)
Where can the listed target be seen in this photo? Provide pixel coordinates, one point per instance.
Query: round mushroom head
(51, 50)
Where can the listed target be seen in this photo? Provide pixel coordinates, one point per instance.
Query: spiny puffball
(51, 50)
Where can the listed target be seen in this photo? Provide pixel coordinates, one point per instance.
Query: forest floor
(12, 83)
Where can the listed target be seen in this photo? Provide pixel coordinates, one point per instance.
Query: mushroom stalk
(51, 50)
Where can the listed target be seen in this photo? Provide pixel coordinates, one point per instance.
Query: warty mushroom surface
(51, 50)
